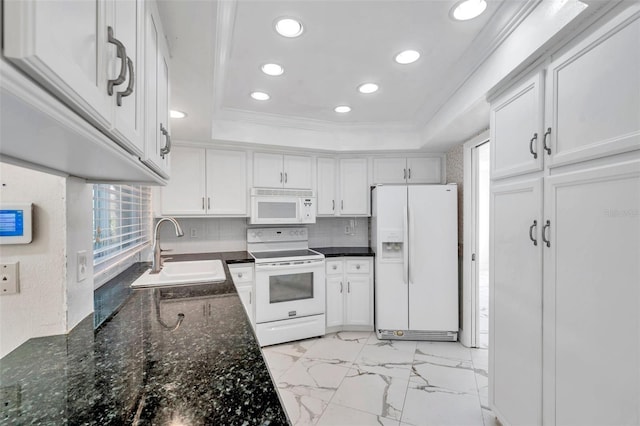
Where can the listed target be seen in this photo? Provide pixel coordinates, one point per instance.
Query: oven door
(289, 290)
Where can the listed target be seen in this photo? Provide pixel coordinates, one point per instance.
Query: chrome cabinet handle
(348, 287)
(357, 266)
(249, 297)
(341, 204)
(531, 237)
(547, 148)
(130, 86)
(285, 177)
(531, 142)
(340, 286)
(240, 275)
(280, 177)
(209, 203)
(547, 225)
(121, 53)
(202, 203)
(409, 175)
(335, 267)
(405, 174)
(333, 205)
(167, 148)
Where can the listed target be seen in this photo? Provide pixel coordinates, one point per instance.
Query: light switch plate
(82, 265)
(9, 281)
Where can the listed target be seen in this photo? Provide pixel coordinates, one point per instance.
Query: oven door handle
(292, 265)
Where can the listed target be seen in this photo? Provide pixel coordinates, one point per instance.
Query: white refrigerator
(414, 234)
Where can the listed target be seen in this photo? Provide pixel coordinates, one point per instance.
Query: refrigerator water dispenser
(392, 243)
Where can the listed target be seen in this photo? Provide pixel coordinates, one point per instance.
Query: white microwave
(282, 206)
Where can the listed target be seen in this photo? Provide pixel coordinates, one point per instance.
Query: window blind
(121, 223)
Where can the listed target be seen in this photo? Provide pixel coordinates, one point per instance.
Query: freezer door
(433, 258)
(391, 277)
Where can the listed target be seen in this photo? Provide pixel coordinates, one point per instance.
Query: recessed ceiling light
(272, 69)
(177, 114)
(468, 9)
(260, 96)
(289, 27)
(407, 57)
(368, 88)
(342, 109)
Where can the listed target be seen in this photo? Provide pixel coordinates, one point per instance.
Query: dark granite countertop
(146, 364)
(345, 251)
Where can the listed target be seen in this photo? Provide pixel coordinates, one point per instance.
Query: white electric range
(290, 285)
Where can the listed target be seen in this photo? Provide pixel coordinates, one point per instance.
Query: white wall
(50, 301)
(230, 234)
(37, 310)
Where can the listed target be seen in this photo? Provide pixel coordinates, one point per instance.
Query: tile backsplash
(230, 234)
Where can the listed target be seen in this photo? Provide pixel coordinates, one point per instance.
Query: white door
(515, 329)
(267, 170)
(424, 170)
(128, 98)
(593, 94)
(592, 297)
(358, 300)
(63, 44)
(517, 135)
(389, 170)
(245, 292)
(335, 301)
(354, 187)
(391, 283)
(226, 182)
(185, 193)
(326, 197)
(297, 172)
(433, 257)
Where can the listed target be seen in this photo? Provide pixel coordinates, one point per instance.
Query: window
(121, 226)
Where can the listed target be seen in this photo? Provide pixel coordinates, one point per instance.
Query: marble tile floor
(352, 378)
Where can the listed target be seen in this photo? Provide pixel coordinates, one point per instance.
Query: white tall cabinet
(565, 236)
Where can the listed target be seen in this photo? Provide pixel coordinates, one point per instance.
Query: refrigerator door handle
(409, 260)
(405, 246)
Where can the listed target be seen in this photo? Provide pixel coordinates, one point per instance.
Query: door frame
(469, 297)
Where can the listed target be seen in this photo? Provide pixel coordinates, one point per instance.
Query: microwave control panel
(307, 210)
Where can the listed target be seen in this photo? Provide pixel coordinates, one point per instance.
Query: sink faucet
(156, 266)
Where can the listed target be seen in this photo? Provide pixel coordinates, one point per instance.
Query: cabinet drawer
(334, 267)
(358, 266)
(241, 274)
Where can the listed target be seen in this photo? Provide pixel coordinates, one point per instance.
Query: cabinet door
(335, 300)
(267, 170)
(128, 23)
(245, 292)
(515, 312)
(63, 45)
(154, 139)
(516, 130)
(592, 297)
(185, 193)
(389, 170)
(327, 176)
(226, 182)
(424, 170)
(358, 310)
(297, 172)
(593, 94)
(354, 187)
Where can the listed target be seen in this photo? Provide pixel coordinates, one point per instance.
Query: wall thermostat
(15, 223)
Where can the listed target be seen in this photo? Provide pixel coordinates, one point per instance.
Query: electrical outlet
(9, 281)
(81, 263)
(347, 229)
(194, 233)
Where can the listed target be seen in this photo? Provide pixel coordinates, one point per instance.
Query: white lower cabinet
(349, 293)
(242, 276)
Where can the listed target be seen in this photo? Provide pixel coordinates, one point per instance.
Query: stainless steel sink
(182, 273)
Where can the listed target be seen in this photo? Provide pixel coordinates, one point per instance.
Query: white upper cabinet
(517, 129)
(593, 94)
(206, 182)
(64, 45)
(354, 187)
(343, 187)
(282, 171)
(407, 170)
(327, 186)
